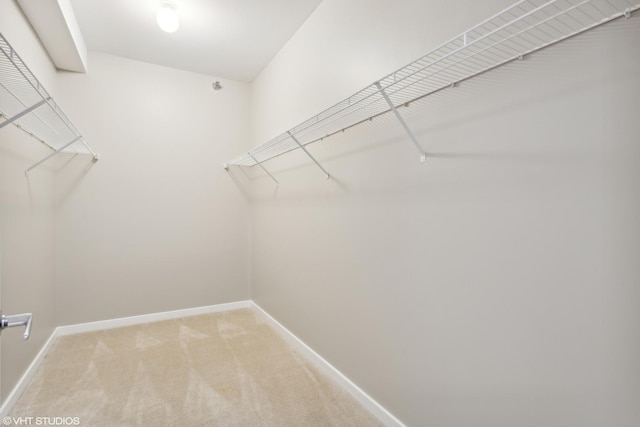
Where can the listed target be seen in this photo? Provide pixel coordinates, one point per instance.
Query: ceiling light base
(167, 17)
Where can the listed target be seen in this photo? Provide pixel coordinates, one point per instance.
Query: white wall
(495, 285)
(27, 218)
(154, 225)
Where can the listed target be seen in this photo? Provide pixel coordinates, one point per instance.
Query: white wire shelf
(524, 28)
(25, 103)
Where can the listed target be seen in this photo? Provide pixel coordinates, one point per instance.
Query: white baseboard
(148, 318)
(387, 418)
(20, 387)
(382, 414)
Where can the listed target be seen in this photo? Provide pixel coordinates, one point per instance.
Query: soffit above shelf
(58, 30)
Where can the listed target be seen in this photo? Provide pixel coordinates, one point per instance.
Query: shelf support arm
(26, 173)
(326, 174)
(264, 169)
(423, 155)
(24, 113)
(88, 147)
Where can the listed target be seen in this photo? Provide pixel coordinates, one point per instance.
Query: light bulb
(168, 18)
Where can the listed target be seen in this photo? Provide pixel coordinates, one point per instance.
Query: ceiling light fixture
(168, 18)
(217, 86)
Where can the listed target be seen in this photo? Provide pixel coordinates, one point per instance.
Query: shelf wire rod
(423, 155)
(47, 128)
(60, 114)
(282, 138)
(381, 113)
(588, 13)
(556, 39)
(500, 42)
(498, 48)
(262, 148)
(486, 59)
(10, 56)
(452, 69)
(363, 111)
(493, 32)
(265, 150)
(465, 78)
(547, 23)
(585, 14)
(431, 85)
(263, 168)
(53, 133)
(456, 51)
(371, 105)
(542, 31)
(534, 27)
(316, 123)
(615, 7)
(35, 114)
(557, 21)
(600, 11)
(575, 19)
(456, 69)
(39, 89)
(327, 176)
(364, 120)
(26, 173)
(33, 135)
(24, 112)
(493, 39)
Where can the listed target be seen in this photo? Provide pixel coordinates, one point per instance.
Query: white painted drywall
(27, 217)
(155, 225)
(495, 285)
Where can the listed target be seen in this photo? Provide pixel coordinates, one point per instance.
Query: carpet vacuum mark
(222, 369)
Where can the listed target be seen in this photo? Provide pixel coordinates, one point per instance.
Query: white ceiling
(232, 39)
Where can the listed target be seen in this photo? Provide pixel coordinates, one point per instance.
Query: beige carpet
(224, 369)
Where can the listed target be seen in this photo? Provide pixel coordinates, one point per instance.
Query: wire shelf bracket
(525, 27)
(302, 147)
(423, 155)
(264, 169)
(26, 104)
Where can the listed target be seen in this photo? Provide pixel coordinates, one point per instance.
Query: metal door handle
(17, 320)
